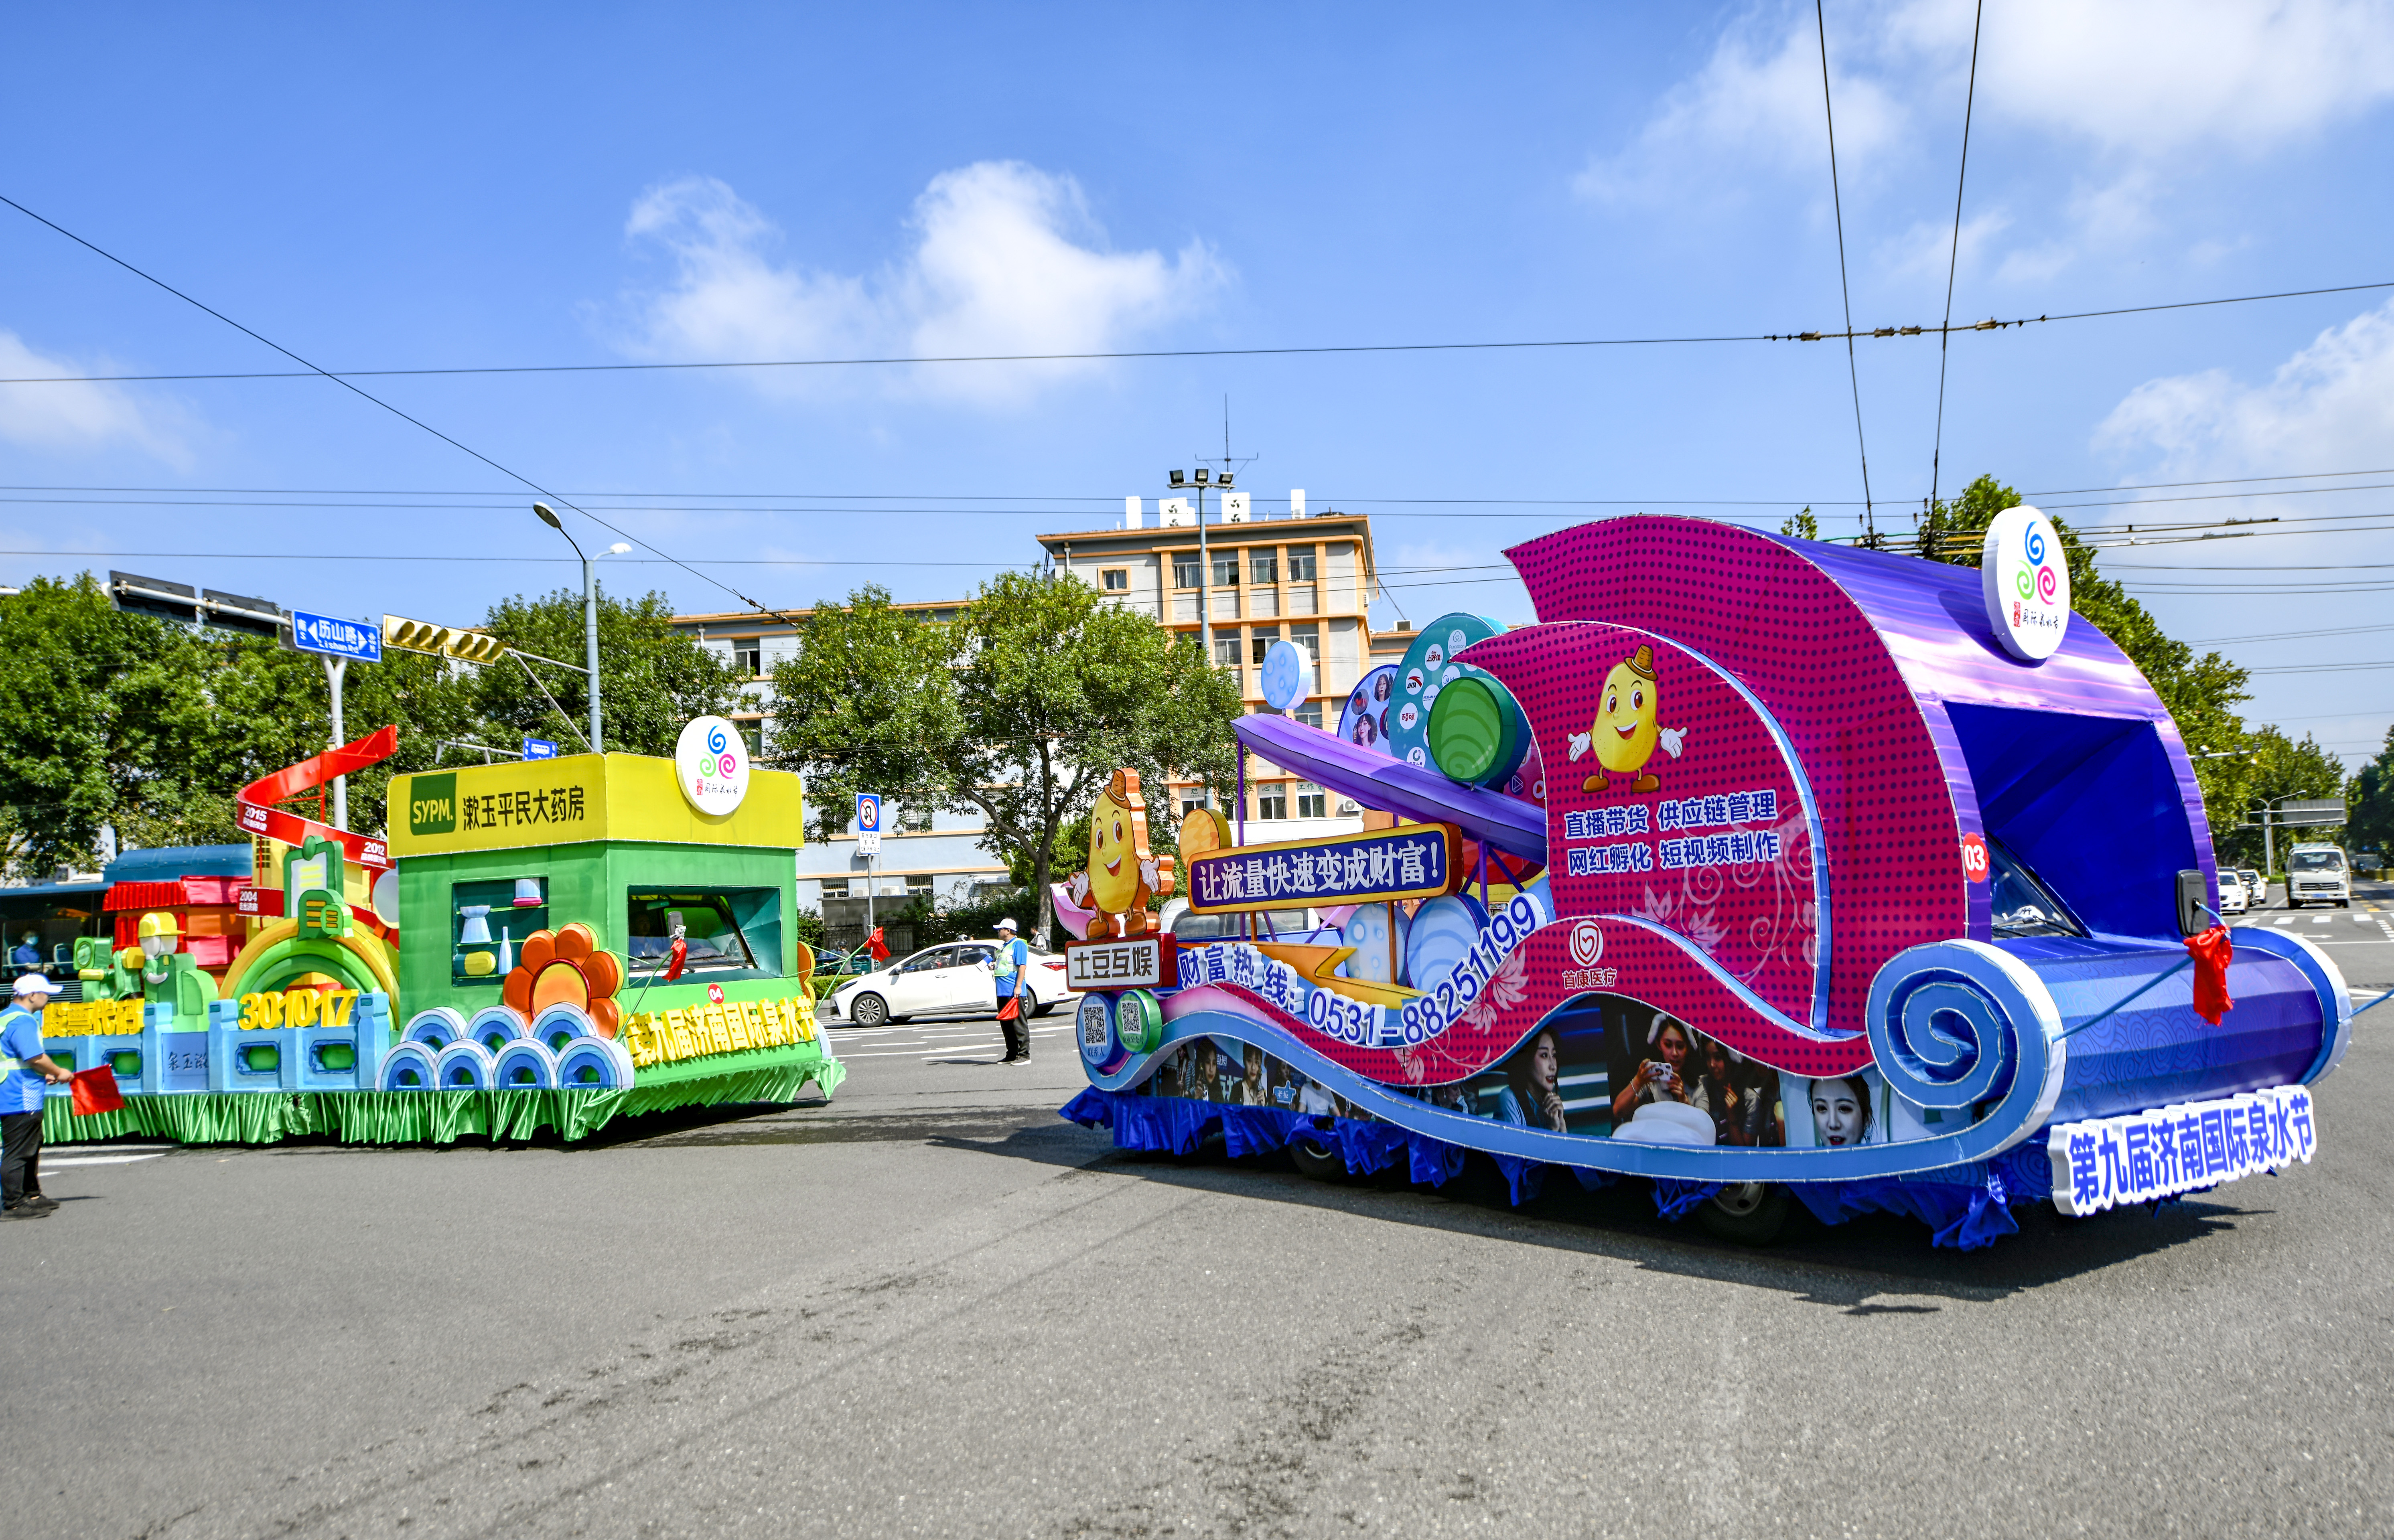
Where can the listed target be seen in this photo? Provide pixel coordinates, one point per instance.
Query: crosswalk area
(940, 1039)
(2375, 923)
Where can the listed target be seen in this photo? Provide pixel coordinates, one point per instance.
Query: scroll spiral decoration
(1953, 1024)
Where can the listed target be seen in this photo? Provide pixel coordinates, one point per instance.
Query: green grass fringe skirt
(422, 1117)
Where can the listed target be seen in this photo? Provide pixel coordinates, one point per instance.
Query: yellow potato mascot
(1123, 875)
(1628, 725)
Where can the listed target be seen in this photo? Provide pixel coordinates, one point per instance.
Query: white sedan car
(959, 977)
(2233, 900)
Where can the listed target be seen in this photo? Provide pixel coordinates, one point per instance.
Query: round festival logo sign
(2025, 578)
(711, 762)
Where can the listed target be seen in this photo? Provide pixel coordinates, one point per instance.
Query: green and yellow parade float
(586, 938)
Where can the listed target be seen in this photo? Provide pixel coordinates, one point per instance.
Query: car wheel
(2344, 903)
(1315, 1155)
(869, 1010)
(1748, 1214)
(1030, 1006)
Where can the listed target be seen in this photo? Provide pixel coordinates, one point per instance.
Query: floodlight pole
(590, 617)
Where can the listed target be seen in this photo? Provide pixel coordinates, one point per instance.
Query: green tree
(1019, 711)
(652, 678)
(2274, 768)
(2201, 691)
(2370, 797)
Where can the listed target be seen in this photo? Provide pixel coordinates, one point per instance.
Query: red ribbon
(680, 955)
(252, 812)
(2212, 951)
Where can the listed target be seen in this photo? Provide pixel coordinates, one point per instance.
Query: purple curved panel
(1516, 827)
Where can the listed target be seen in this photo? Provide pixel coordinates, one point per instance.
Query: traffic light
(443, 641)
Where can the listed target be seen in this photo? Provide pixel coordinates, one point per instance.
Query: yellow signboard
(661, 1037)
(583, 796)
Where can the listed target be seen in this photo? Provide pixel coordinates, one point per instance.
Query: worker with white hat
(1013, 967)
(26, 1071)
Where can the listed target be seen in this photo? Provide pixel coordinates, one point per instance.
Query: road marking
(2388, 927)
(50, 1160)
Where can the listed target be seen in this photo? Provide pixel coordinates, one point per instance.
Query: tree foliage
(1018, 712)
(149, 727)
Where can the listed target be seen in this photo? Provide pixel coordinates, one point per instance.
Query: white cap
(1007, 923)
(33, 983)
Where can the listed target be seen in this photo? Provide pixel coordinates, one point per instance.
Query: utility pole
(333, 669)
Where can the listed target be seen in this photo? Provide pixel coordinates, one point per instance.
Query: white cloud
(2149, 79)
(1755, 103)
(76, 418)
(2143, 93)
(2330, 407)
(1925, 250)
(1006, 258)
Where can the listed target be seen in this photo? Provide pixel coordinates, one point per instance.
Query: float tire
(1746, 1213)
(436, 1028)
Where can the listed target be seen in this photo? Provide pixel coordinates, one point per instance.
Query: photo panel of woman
(1678, 1086)
(1840, 1111)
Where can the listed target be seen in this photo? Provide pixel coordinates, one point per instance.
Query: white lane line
(50, 1160)
(2386, 926)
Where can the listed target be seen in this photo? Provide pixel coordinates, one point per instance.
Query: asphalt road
(935, 1309)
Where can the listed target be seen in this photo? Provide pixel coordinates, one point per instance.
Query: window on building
(1226, 570)
(919, 887)
(1263, 566)
(733, 932)
(1226, 649)
(1300, 563)
(1271, 801)
(753, 734)
(1192, 799)
(1260, 641)
(1114, 580)
(1310, 712)
(918, 818)
(1184, 569)
(834, 888)
(1310, 801)
(748, 658)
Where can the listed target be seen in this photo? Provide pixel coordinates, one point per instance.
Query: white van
(2318, 874)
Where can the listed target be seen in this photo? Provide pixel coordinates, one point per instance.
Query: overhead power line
(346, 385)
(1851, 333)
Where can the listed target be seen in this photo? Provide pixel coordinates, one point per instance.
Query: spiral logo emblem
(2045, 583)
(715, 742)
(2035, 548)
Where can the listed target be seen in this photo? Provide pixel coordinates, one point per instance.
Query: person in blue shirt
(1013, 967)
(25, 1072)
(28, 953)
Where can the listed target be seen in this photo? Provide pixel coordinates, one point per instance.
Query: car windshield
(2317, 861)
(2021, 904)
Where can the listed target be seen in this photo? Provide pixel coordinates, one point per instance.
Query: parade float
(586, 938)
(1766, 870)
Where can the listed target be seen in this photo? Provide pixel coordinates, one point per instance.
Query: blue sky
(427, 188)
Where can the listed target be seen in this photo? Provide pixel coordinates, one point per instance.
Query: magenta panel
(1890, 837)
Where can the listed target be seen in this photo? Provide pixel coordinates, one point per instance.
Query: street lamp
(590, 613)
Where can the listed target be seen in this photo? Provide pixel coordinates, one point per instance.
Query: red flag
(2212, 951)
(94, 1090)
(679, 956)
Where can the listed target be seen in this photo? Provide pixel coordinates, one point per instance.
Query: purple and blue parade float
(1767, 870)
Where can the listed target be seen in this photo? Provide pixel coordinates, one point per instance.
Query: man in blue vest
(25, 1072)
(1013, 967)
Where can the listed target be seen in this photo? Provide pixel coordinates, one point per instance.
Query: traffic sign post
(339, 642)
(868, 845)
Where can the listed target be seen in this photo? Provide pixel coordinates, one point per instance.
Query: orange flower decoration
(566, 965)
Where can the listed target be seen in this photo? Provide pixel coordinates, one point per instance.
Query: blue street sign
(358, 641)
(539, 748)
(868, 812)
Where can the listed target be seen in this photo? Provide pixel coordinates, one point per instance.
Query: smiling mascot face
(1628, 716)
(1117, 840)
